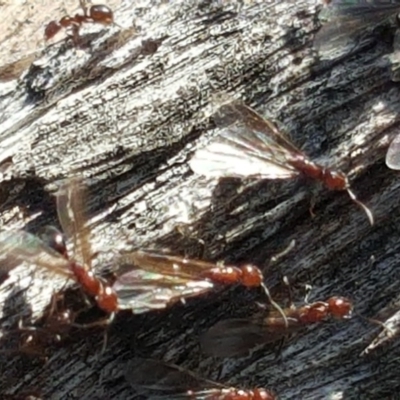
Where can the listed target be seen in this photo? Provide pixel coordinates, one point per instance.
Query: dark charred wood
(126, 113)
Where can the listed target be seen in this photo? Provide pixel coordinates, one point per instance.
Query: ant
(97, 13)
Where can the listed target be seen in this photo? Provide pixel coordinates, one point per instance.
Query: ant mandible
(97, 13)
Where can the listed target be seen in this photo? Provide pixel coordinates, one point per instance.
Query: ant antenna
(367, 211)
(283, 253)
(274, 304)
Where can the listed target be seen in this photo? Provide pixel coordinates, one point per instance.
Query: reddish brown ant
(158, 280)
(153, 280)
(235, 337)
(52, 254)
(96, 14)
(250, 146)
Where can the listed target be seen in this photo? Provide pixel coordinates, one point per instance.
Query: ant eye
(53, 238)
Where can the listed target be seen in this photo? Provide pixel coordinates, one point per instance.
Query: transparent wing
(345, 21)
(21, 246)
(393, 154)
(179, 267)
(70, 208)
(248, 146)
(235, 337)
(143, 291)
(174, 382)
(170, 381)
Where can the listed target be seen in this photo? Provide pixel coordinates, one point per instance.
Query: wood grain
(127, 113)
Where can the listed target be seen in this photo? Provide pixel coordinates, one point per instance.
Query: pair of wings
(345, 21)
(172, 381)
(248, 146)
(159, 280)
(237, 336)
(153, 283)
(19, 246)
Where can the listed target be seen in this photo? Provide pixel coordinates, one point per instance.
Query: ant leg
(102, 322)
(312, 206)
(183, 231)
(55, 297)
(105, 340)
(23, 328)
(219, 372)
(75, 35)
(390, 332)
(313, 201)
(385, 335)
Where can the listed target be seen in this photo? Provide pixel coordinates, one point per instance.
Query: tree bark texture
(126, 114)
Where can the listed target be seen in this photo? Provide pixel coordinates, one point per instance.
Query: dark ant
(52, 327)
(235, 337)
(96, 14)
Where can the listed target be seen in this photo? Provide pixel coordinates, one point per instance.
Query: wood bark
(126, 114)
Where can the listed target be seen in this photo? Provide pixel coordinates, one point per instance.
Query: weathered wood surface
(127, 116)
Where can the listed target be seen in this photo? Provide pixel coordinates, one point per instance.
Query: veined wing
(22, 246)
(169, 381)
(236, 337)
(167, 265)
(238, 113)
(248, 146)
(345, 21)
(143, 291)
(393, 154)
(174, 382)
(70, 208)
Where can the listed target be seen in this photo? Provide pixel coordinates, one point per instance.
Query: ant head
(101, 14)
(51, 30)
(54, 239)
(252, 276)
(340, 307)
